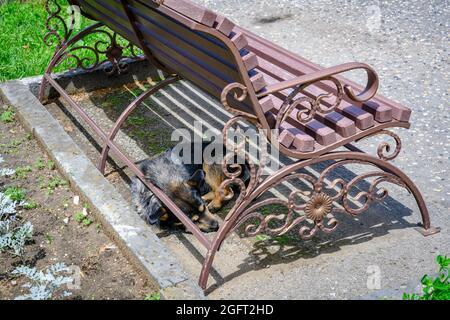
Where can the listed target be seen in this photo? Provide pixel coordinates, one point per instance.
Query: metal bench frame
(321, 204)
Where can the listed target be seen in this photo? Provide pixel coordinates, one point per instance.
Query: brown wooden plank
(319, 131)
(224, 25)
(291, 136)
(220, 70)
(250, 61)
(381, 112)
(193, 11)
(342, 125)
(299, 66)
(184, 32)
(258, 81)
(362, 119)
(239, 40)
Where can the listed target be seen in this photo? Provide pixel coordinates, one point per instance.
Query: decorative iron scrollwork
(385, 147)
(55, 24)
(105, 49)
(239, 92)
(310, 210)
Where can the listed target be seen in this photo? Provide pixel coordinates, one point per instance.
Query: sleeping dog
(194, 188)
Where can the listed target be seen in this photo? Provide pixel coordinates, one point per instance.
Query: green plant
(7, 116)
(30, 205)
(81, 218)
(52, 184)
(49, 238)
(5, 172)
(51, 165)
(39, 164)
(153, 296)
(22, 172)
(45, 284)
(86, 222)
(15, 193)
(14, 239)
(437, 288)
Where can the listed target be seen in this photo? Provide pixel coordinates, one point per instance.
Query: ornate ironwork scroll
(384, 148)
(86, 52)
(311, 208)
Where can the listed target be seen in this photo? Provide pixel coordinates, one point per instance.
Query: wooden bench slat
(193, 11)
(319, 131)
(344, 127)
(239, 40)
(299, 66)
(292, 136)
(382, 113)
(155, 20)
(362, 119)
(224, 25)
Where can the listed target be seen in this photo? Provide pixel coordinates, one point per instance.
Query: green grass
(22, 172)
(15, 193)
(7, 116)
(23, 52)
(153, 296)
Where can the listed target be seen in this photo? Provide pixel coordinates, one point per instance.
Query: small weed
(15, 193)
(437, 288)
(137, 121)
(51, 165)
(30, 205)
(7, 116)
(79, 217)
(49, 238)
(262, 237)
(82, 219)
(52, 184)
(39, 164)
(153, 296)
(86, 222)
(22, 172)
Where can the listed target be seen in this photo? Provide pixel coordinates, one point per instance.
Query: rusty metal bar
(127, 113)
(122, 157)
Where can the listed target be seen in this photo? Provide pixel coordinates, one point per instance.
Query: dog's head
(187, 196)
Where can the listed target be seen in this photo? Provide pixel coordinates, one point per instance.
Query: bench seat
(208, 63)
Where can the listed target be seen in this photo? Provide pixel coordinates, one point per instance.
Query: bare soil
(58, 237)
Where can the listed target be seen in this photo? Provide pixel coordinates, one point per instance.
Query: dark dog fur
(194, 188)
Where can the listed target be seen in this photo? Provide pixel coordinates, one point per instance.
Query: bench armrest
(370, 90)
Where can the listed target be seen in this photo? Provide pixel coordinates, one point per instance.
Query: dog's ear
(153, 211)
(196, 180)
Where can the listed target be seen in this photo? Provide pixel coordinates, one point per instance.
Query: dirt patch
(62, 233)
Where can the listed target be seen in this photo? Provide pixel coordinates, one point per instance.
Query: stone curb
(134, 237)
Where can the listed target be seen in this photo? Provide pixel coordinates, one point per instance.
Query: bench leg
(136, 103)
(314, 201)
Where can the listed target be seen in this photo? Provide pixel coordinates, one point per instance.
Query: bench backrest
(171, 33)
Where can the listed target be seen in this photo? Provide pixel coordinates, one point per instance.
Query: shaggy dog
(194, 188)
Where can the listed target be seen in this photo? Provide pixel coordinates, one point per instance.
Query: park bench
(309, 113)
